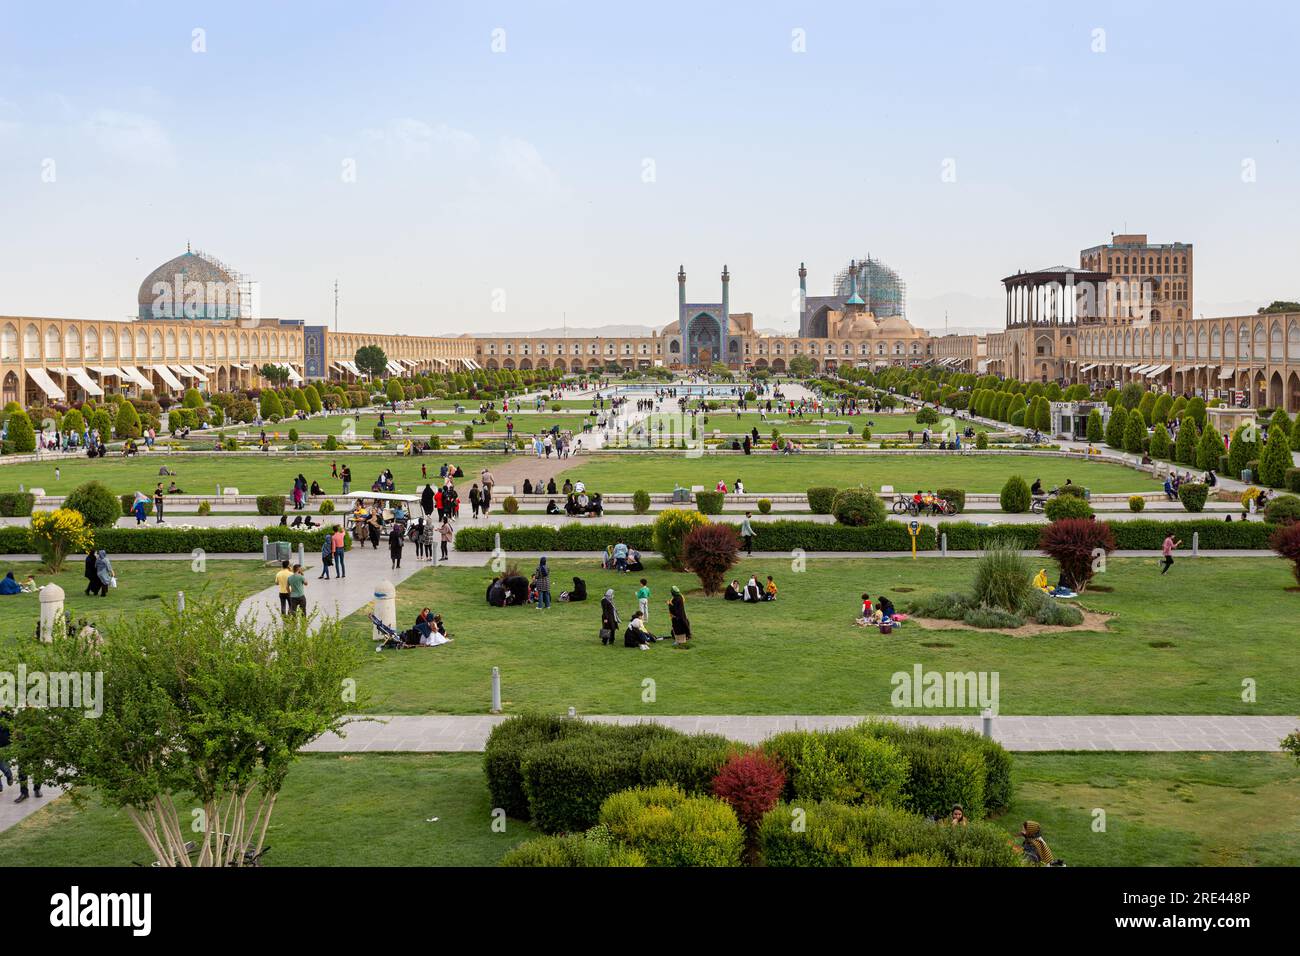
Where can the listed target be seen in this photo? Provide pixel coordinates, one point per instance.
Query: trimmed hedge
(821, 500)
(16, 504)
(270, 504)
(670, 828)
(154, 540)
(691, 761)
(949, 765)
(837, 835)
(571, 851)
(709, 502)
(504, 751)
(954, 496)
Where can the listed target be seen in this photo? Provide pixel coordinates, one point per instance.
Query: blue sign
(313, 351)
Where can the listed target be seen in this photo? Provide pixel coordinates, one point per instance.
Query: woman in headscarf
(395, 545)
(474, 498)
(426, 499)
(542, 584)
(1035, 848)
(681, 626)
(104, 569)
(608, 618)
(733, 591)
(92, 576)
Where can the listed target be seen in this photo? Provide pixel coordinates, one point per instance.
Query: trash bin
(1246, 476)
(279, 551)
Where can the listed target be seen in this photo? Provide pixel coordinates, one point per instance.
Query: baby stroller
(392, 639)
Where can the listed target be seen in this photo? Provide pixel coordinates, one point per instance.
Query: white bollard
(385, 607)
(302, 557)
(943, 544)
(497, 542)
(986, 724)
(1196, 543)
(51, 611)
(496, 690)
(180, 601)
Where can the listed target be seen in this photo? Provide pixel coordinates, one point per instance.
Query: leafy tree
(1147, 405)
(299, 400)
(1015, 497)
(395, 391)
(128, 421)
(1043, 417)
(192, 398)
(73, 421)
(371, 360)
(1210, 448)
(1185, 446)
(670, 530)
(21, 432)
(57, 534)
(1096, 430)
(801, 366)
(1130, 396)
(1160, 414)
(96, 504)
(709, 552)
(1279, 306)
(1135, 433)
(1160, 443)
(274, 374)
(313, 399)
(208, 709)
(1243, 449)
(102, 422)
(1196, 411)
(1117, 427)
(1276, 457)
(271, 408)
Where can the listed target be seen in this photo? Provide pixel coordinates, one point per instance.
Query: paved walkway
(1135, 733)
(11, 813)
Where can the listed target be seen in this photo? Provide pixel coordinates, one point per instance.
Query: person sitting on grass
(753, 592)
(733, 592)
(1040, 580)
(769, 592)
(886, 608)
(634, 560)
(1034, 847)
(10, 585)
(620, 557)
(552, 508)
(172, 489)
(637, 635)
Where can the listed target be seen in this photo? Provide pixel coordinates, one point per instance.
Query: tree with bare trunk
(200, 717)
(710, 551)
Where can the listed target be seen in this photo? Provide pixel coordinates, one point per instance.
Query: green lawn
(443, 423)
(834, 424)
(775, 473)
(348, 810)
(140, 584)
(803, 655)
(1183, 809)
(268, 474)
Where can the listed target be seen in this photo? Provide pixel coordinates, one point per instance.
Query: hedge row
(17, 540)
(1142, 535)
(16, 504)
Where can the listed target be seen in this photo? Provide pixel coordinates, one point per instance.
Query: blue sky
(571, 172)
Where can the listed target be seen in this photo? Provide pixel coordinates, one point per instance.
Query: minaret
(803, 293)
(726, 300)
(681, 289)
(854, 298)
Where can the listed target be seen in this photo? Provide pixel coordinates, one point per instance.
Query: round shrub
(510, 505)
(765, 506)
(1136, 503)
(1193, 495)
(99, 507)
(205, 508)
(709, 502)
(991, 618)
(270, 504)
(689, 761)
(1067, 506)
(982, 440)
(1286, 542)
(821, 499)
(504, 753)
(669, 828)
(841, 765)
(640, 501)
(327, 507)
(293, 434)
(670, 530)
(751, 784)
(1015, 498)
(1284, 509)
(571, 851)
(331, 443)
(858, 507)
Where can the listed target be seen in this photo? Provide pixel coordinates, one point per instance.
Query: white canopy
(1226, 373)
(1087, 368)
(85, 381)
(1153, 372)
(133, 374)
(166, 375)
(104, 371)
(192, 372)
(208, 370)
(348, 367)
(395, 368)
(42, 378)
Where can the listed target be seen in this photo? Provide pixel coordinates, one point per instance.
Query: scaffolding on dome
(249, 306)
(883, 292)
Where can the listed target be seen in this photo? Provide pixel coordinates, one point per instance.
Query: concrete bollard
(1196, 543)
(496, 690)
(385, 607)
(302, 557)
(266, 548)
(180, 601)
(496, 544)
(51, 611)
(943, 544)
(986, 724)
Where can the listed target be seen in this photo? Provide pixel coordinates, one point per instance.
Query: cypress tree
(1185, 447)
(1116, 427)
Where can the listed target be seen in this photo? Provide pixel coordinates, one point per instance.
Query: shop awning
(134, 374)
(1226, 374)
(206, 369)
(1087, 368)
(1159, 369)
(85, 381)
(166, 375)
(349, 367)
(193, 372)
(293, 372)
(105, 371)
(394, 368)
(42, 379)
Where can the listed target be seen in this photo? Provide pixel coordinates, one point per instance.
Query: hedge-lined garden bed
(177, 540)
(1140, 535)
(618, 795)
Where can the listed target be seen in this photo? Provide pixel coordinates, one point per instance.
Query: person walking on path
(104, 569)
(428, 539)
(542, 583)
(158, 497)
(92, 574)
(445, 533)
(395, 547)
(282, 586)
(297, 591)
(337, 539)
(1168, 550)
(485, 500)
(681, 625)
(347, 479)
(747, 534)
(474, 499)
(5, 770)
(427, 500)
(326, 556)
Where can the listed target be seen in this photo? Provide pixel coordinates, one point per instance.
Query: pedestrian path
(1026, 734)
(12, 812)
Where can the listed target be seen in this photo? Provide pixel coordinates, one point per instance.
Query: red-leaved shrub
(1286, 542)
(710, 551)
(751, 783)
(1077, 544)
